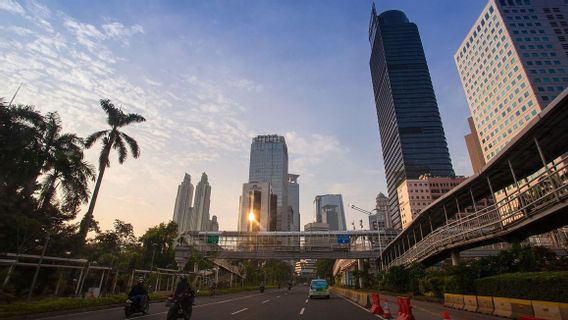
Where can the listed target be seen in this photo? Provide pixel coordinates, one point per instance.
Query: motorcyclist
(182, 288)
(138, 293)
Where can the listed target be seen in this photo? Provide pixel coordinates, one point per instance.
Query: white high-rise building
(269, 163)
(512, 63)
(294, 202)
(329, 209)
(182, 209)
(200, 221)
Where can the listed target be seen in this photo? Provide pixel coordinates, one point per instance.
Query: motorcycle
(176, 310)
(131, 307)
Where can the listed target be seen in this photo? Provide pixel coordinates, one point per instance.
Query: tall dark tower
(412, 136)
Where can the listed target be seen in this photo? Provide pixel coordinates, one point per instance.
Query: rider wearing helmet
(138, 293)
(185, 293)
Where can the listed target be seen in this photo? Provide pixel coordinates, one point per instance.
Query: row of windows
(515, 2)
(519, 11)
(528, 39)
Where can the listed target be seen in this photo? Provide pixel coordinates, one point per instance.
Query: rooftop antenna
(15, 93)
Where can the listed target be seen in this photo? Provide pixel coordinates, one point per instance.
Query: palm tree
(64, 168)
(111, 138)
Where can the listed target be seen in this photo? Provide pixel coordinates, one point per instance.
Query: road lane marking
(277, 296)
(244, 309)
(302, 311)
(307, 300)
(265, 301)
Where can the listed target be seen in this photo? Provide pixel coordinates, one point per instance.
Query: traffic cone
(446, 315)
(386, 311)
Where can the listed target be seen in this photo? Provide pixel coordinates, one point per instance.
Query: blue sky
(210, 75)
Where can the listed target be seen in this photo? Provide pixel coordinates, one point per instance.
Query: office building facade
(269, 163)
(378, 221)
(329, 209)
(474, 148)
(416, 194)
(512, 63)
(294, 202)
(257, 198)
(412, 137)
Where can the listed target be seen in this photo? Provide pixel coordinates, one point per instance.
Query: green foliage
(324, 268)
(548, 286)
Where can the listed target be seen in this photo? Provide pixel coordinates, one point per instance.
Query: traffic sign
(213, 239)
(343, 238)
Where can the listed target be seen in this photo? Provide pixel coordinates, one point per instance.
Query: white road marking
(265, 301)
(302, 311)
(277, 296)
(244, 309)
(307, 300)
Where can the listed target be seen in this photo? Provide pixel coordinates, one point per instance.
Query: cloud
(12, 7)
(118, 31)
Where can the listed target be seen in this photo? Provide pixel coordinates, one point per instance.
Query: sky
(210, 75)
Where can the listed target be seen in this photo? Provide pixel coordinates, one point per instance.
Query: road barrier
(446, 315)
(376, 304)
(508, 307)
(485, 305)
(404, 309)
(452, 300)
(470, 303)
(550, 310)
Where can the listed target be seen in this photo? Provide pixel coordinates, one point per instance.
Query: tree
(161, 238)
(64, 168)
(112, 138)
(324, 268)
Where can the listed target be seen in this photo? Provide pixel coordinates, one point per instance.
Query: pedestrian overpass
(356, 244)
(527, 188)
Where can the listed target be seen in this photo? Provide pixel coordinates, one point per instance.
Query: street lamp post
(154, 245)
(36, 274)
(370, 213)
(38, 266)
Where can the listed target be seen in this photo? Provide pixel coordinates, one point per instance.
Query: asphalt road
(274, 305)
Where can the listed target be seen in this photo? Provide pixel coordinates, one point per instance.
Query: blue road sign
(343, 238)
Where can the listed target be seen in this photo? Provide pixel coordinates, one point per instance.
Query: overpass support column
(361, 268)
(455, 257)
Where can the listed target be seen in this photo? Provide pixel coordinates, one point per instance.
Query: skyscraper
(213, 224)
(182, 209)
(380, 220)
(412, 136)
(474, 148)
(512, 63)
(257, 198)
(269, 163)
(200, 221)
(294, 201)
(329, 209)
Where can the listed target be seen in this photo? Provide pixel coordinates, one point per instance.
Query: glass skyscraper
(329, 209)
(269, 163)
(412, 136)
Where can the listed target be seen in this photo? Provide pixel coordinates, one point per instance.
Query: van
(319, 289)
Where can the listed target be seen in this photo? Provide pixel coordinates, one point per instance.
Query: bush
(548, 286)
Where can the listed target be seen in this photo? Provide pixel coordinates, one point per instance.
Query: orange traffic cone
(446, 315)
(387, 313)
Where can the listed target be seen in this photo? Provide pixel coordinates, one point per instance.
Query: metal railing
(533, 196)
(322, 244)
